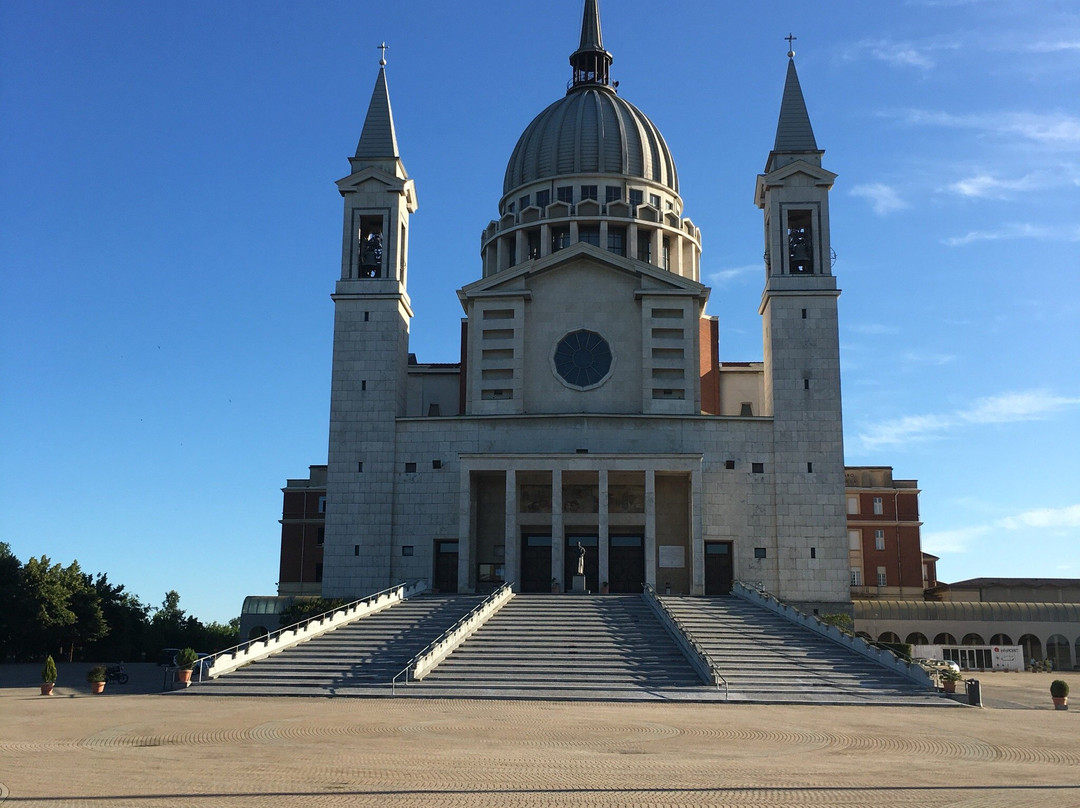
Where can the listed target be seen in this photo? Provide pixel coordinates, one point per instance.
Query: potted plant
(96, 677)
(949, 678)
(185, 661)
(1059, 690)
(48, 676)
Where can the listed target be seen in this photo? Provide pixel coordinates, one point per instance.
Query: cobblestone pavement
(152, 750)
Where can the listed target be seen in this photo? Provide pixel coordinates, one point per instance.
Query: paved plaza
(133, 747)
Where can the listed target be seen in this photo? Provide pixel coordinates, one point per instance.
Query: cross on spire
(382, 47)
(790, 49)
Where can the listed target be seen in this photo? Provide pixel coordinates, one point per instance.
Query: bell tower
(372, 313)
(802, 362)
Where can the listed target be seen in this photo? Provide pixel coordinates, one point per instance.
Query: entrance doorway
(536, 562)
(719, 569)
(592, 560)
(626, 563)
(444, 578)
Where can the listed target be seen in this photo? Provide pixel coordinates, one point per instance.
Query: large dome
(591, 131)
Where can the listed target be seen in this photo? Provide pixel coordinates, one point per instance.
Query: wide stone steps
(369, 652)
(765, 658)
(569, 646)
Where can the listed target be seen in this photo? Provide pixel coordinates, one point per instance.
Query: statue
(580, 559)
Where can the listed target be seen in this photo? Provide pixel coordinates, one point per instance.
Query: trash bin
(974, 692)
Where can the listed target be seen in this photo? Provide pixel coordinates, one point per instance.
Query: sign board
(672, 556)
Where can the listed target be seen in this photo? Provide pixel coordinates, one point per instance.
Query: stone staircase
(764, 658)
(357, 659)
(577, 647)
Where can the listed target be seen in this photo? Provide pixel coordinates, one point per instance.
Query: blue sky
(170, 235)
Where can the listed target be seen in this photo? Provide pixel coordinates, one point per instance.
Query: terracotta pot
(1061, 703)
(97, 687)
(183, 675)
(47, 688)
(949, 686)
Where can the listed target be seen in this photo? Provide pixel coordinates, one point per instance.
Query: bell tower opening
(800, 242)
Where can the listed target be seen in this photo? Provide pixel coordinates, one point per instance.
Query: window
(854, 539)
(757, 468)
(729, 464)
(805, 384)
(318, 573)
(363, 384)
(612, 193)
(644, 246)
(543, 199)
(588, 192)
(759, 552)
(565, 193)
(636, 198)
(856, 576)
(560, 238)
(356, 550)
(524, 201)
(406, 549)
(882, 579)
(322, 504)
(320, 536)
(590, 235)
(654, 200)
(809, 468)
(436, 464)
(813, 552)
(616, 240)
(879, 539)
(410, 468)
(852, 504)
(533, 249)
(360, 467)
(510, 208)
(746, 409)
(879, 509)
(666, 255)
(367, 316)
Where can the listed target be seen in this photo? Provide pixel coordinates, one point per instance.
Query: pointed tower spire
(378, 139)
(793, 130)
(591, 63)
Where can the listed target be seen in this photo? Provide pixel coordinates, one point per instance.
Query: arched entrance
(1032, 646)
(944, 639)
(917, 638)
(972, 639)
(1001, 639)
(1059, 651)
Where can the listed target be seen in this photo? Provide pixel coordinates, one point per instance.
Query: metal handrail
(207, 663)
(718, 678)
(431, 645)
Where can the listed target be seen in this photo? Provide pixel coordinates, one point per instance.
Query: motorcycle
(116, 673)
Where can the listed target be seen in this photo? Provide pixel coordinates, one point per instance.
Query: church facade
(590, 406)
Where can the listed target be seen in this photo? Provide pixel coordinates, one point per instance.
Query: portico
(638, 516)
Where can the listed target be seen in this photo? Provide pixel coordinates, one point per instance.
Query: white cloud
(901, 54)
(984, 185)
(1056, 129)
(1030, 405)
(929, 359)
(883, 197)
(1055, 46)
(1051, 518)
(1014, 231)
(873, 329)
(727, 275)
(1045, 520)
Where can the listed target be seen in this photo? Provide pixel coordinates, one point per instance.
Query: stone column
(545, 239)
(557, 531)
(512, 539)
(650, 527)
(602, 528)
(631, 240)
(521, 247)
(697, 540)
(465, 528)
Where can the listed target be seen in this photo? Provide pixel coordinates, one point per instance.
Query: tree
(128, 621)
(11, 605)
(45, 595)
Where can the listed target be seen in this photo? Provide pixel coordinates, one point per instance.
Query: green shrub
(48, 672)
(96, 674)
(302, 608)
(1059, 689)
(950, 675)
(186, 658)
(901, 649)
(842, 621)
